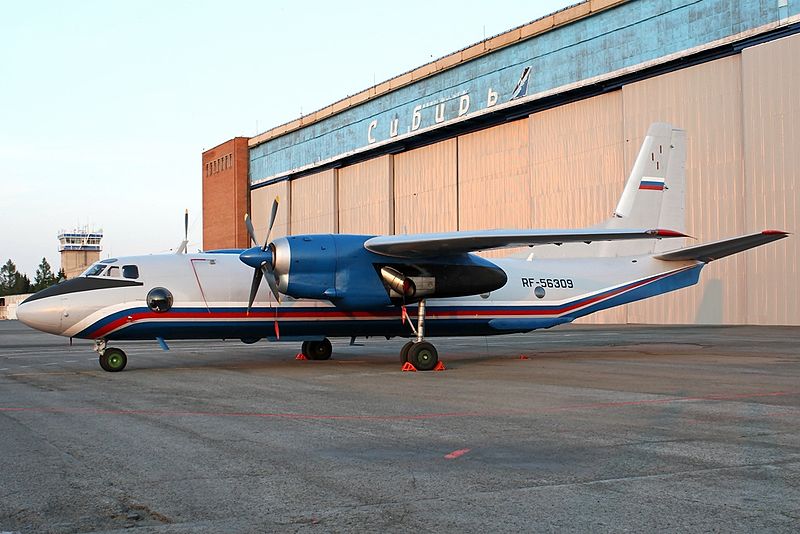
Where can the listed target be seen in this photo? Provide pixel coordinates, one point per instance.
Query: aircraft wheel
(318, 350)
(113, 360)
(404, 352)
(423, 356)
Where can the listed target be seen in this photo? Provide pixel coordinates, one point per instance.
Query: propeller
(182, 247)
(261, 258)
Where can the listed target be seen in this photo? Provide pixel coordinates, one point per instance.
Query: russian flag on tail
(652, 183)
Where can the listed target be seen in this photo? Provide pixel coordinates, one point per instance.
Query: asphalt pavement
(579, 428)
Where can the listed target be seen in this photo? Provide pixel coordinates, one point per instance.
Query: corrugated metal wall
(314, 203)
(425, 189)
(366, 205)
(566, 167)
(494, 178)
(771, 117)
(261, 205)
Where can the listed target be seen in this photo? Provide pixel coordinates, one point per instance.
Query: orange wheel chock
(440, 367)
(523, 357)
(408, 366)
(300, 356)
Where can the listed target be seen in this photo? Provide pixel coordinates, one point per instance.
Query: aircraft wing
(719, 249)
(452, 243)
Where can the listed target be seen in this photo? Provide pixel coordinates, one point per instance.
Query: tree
(61, 276)
(22, 285)
(8, 277)
(44, 276)
(12, 282)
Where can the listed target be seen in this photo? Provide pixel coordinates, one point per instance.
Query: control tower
(79, 249)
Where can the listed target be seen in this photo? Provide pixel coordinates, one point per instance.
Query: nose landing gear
(111, 359)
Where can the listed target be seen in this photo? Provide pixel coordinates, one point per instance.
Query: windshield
(94, 270)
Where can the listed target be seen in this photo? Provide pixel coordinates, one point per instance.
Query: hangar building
(538, 127)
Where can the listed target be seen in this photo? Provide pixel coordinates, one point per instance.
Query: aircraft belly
(300, 329)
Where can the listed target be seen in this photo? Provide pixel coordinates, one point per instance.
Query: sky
(106, 107)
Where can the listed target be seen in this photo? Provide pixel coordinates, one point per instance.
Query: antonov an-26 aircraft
(414, 286)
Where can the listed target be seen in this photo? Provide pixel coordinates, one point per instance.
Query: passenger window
(130, 271)
(113, 272)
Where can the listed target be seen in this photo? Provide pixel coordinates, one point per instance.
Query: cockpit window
(94, 270)
(113, 272)
(130, 271)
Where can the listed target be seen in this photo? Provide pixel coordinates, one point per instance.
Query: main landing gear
(317, 350)
(419, 352)
(112, 359)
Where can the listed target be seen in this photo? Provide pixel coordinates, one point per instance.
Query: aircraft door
(212, 286)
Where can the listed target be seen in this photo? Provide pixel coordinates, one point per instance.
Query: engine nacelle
(332, 267)
(338, 268)
(305, 266)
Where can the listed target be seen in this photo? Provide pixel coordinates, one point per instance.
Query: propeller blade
(270, 276)
(271, 222)
(250, 230)
(182, 247)
(262, 263)
(254, 289)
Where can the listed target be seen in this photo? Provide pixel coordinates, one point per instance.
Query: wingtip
(775, 232)
(663, 232)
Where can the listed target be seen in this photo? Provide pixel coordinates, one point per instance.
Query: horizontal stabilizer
(719, 249)
(452, 243)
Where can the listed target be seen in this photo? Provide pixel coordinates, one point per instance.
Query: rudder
(654, 193)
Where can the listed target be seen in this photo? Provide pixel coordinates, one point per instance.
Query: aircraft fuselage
(210, 293)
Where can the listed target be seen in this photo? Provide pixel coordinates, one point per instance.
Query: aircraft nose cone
(42, 314)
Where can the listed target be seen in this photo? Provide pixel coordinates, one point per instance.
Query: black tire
(319, 350)
(304, 349)
(404, 352)
(113, 360)
(423, 356)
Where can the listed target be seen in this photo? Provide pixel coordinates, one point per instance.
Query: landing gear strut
(419, 352)
(317, 350)
(112, 359)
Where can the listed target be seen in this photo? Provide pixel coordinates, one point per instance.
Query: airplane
(414, 286)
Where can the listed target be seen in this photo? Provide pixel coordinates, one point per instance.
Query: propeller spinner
(261, 258)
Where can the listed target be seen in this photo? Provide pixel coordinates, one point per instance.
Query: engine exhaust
(398, 282)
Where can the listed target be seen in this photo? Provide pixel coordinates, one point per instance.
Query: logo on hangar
(445, 109)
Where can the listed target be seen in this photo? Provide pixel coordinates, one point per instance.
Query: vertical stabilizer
(654, 193)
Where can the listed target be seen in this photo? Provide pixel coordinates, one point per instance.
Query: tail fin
(654, 193)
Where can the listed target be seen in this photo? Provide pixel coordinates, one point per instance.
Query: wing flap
(719, 249)
(452, 243)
